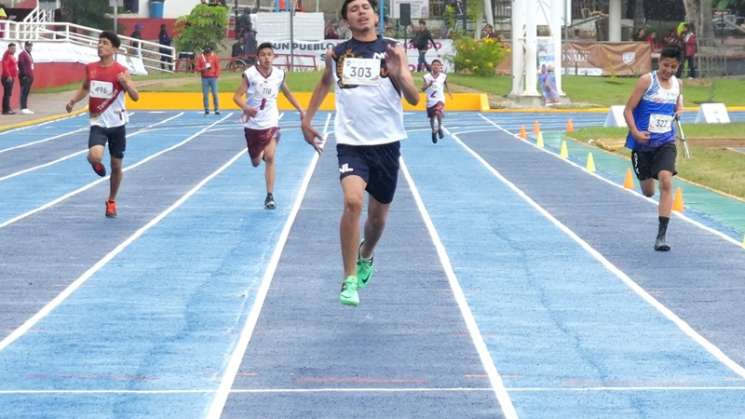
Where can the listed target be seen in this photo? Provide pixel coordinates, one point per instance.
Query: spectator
(552, 92)
(10, 73)
(208, 65)
(691, 48)
(165, 53)
(680, 32)
(331, 30)
(26, 75)
(640, 35)
(652, 39)
(487, 32)
(137, 34)
(542, 81)
(422, 38)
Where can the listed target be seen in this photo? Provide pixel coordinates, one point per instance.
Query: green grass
(712, 166)
(582, 90)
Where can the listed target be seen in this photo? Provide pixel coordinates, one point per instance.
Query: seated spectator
(331, 30)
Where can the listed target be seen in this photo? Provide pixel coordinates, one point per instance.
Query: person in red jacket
(9, 76)
(691, 48)
(26, 74)
(105, 83)
(208, 65)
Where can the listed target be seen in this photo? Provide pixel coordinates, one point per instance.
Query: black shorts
(377, 165)
(116, 137)
(648, 164)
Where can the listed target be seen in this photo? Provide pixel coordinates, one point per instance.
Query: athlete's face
(105, 48)
(437, 67)
(361, 16)
(266, 56)
(668, 67)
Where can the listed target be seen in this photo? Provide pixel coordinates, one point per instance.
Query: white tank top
(436, 91)
(262, 94)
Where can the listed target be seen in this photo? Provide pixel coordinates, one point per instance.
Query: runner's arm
(636, 96)
(80, 94)
(239, 94)
(126, 81)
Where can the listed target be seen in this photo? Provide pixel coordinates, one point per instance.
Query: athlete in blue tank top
(371, 75)
(656, 102)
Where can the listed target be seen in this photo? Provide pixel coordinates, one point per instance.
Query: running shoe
(269, 202)
(217, 112)
(434, 138)
(440, 133)
(365, 269)
(99, 168)
(661, 245)
(348, 295)
(111, 209)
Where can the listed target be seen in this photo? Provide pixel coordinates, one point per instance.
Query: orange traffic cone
(678, 200)
(628, 182)
(570, 126)
(523, 134)
(536, 127)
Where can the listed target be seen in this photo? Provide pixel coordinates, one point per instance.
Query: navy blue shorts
(377, 165)
(116, 138)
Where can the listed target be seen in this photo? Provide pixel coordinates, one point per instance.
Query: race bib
(660, 124)
(361, 71)
(101, 89)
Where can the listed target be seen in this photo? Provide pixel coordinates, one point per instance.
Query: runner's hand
(395, 60)
(312, 137)
(124, 78)
(641, 136)
(69, 106)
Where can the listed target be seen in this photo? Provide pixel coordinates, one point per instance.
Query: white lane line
(234, 364)
(41, 124)
(473, 329)
(61, 297)
(362, 390)
(44, 140)
(94, 183)
(641, 292)
(71, 155)
(619, 186)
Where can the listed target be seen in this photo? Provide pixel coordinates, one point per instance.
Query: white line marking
(234, 364)
(5, 150)
(619, 186)
(478, 341)
(94, 183)
(71, 155)
(59, 299)
(362, 390)
(41, 124)
(682, 325)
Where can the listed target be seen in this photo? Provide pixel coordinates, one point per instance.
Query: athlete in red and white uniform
(105, 84)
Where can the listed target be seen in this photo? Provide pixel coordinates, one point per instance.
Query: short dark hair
(422, 22)
(112, 37)
(373, 4)
(11, 44)
(436, 60)
(671, 52)
(29, 43)
(265, 45)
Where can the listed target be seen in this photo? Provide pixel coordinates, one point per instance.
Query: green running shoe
(365, 269)
(348, 295)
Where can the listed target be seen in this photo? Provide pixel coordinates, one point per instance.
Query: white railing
(38, 15)
(154, 56)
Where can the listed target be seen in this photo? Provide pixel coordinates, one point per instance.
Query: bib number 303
(361, 71)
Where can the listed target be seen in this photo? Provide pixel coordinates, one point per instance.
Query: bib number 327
(361, 71)
(660, 124)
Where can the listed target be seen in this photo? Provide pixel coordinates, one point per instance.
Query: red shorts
(258, 139)
(438, 109)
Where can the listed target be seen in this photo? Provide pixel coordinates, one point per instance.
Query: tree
(88, 13)
(700, 13)
(205, 26)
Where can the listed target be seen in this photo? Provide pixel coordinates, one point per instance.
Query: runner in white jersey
(371, 76)
(435, 84)
(653, 106)
(260, 86)
(105, 83)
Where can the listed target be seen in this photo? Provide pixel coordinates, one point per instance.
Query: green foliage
(88, 13)
(450, 17)
(205, 26)
(479, 57)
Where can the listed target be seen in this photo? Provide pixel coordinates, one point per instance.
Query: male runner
(655, 102)
(371, 75)
(261, 84)
(435, 84)
(105, 83)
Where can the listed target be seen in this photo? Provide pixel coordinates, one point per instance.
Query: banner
(607, 59)
(310, 54)
(593, 59)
